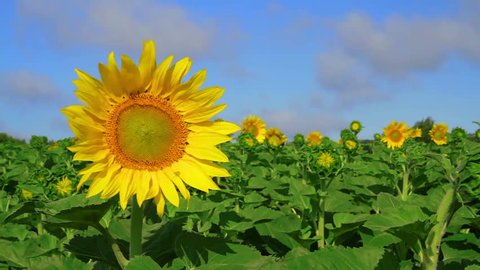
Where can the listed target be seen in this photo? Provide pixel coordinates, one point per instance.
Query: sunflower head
(255, 126)
(356, 126)
(438, 133)
(147, 130)
(415, 132)
(247, 140)
(325, 160)
(275, 137)
(299, 139)
(458, 134)
(395, 134)
(351, 145)
(314, 138)
(64, 187)
(27, 194)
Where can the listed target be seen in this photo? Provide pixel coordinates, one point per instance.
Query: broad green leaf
(395, 217)
(142, 263)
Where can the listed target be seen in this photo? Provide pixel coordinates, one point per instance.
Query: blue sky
(300, 65)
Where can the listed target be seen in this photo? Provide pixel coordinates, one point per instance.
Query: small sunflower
(438, 133)
(415, 132)
(26, 194)
(325, 160)
(275, 137)
(351, 145)
(255, 125)
(314, 138)
(64, 187)
(395, 134)
(147, 131)
(356, 126)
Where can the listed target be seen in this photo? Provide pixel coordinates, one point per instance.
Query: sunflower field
(109, 197)
(311, 203)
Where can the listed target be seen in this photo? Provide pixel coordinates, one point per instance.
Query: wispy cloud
(119, 24)
(27, 86)
(368, 53)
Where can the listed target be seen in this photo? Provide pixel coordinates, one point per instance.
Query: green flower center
(145, 133)
(396, 136)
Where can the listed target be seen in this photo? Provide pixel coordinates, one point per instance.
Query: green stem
(40, 228)
(136, 229)
(122, 261)
(432, 245)
(405, 184)
(321, 223)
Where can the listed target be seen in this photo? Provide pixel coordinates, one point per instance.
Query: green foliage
(374, 208)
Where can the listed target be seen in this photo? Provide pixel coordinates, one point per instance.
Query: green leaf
(337, 258)
(142, 263)
(57, 262)
(395, 217)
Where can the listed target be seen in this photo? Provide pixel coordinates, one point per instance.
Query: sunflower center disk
(146, 133)
(396, 136)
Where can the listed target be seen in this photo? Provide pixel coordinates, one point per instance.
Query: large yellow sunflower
(438, 133)
(395, 134)
(255, 126)
(146, 131)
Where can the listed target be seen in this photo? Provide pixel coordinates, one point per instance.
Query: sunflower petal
(222, 127)
(147, 63)
(206, 152)
(158, 79)
(127, 187)
(160, 201)
(203, 114)
(210, 168)
(111, 76)
(130, 75)
(168, 189)
(178, 182)
(193, 176)
(207, 138)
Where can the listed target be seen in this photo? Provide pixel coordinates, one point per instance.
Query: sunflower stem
(405, 184)
(122, 261)
(136, 229)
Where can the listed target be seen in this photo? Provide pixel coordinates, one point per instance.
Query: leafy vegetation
(360, 206)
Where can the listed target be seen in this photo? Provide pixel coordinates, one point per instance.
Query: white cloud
(401, 45)
(119, 24)
(24, 85)
(368, 53)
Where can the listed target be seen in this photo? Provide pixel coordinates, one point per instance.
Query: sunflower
(255, 126)
(314, 138)
(27, 194)
(438, 133)
(146, 131)
(415, 132)
(275, 137)
(325, 160)
(356, 126)
(395, 134)
(351, 145)
(64, 187)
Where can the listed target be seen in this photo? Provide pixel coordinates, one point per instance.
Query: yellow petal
(159, 76)
(176, 73)
(206, 152)
(168, 189)
(210, 168)
(177, 181)
(147, 62)
(111, 76)
(207, 138)
(143, 186)
(127, 187)
(130, 75)
(101, 182)
(92, 155)
(113, 187)
(154, 186)
(193, 176)
(160, 201)
(203, 114)
(222, 127)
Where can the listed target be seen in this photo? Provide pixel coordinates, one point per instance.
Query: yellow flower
(27, 195)
(255, 126)
(340, 141)
(314, 138)
(438, 133)
(64, 186)
(326, 160)
(148, 131)
(250, 141)
(415, 133)
(351, 144)
(395, 134)
(275, 137)
(355, 126)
